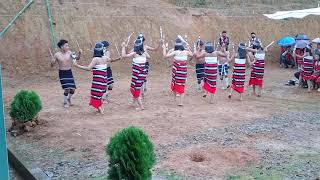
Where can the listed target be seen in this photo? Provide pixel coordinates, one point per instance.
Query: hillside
(24, 49)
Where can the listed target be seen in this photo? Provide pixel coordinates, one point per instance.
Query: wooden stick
(50, 53)
(117, 50)
(89, 50)
(181, 38)
(161, 34)
(269, 45)
(78, 44)
(128, 39)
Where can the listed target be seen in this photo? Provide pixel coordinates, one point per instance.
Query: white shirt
(211, 60)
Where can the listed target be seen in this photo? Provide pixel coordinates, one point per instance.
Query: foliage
(25, 106)
(131, 155)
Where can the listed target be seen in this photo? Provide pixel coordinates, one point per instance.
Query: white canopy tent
(294, 14)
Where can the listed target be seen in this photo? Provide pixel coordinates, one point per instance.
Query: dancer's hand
(123, 44)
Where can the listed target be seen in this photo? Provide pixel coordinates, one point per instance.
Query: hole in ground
(197, 157)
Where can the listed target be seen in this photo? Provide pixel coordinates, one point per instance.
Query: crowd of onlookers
(306, 59)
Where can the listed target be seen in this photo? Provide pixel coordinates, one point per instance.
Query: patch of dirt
(78, 135)
(208, 161)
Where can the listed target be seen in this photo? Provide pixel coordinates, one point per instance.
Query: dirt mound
(24, 49)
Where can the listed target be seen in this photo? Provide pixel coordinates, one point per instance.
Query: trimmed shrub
(25, 106)
(131, 155)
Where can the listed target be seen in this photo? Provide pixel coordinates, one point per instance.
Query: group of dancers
(210, 63)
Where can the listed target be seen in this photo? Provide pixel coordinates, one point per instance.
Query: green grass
(286, 170)
(168, 175)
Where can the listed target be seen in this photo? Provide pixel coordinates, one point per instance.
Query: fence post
(4, 170)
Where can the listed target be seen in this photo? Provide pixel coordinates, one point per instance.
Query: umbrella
(286, 41)
(316, 40)
(302, 37)
(301, 44)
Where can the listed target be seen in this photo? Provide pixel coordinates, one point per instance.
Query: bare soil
(257, 138)
(79, 135)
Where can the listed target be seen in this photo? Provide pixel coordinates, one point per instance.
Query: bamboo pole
(53, 36)
(13, 20)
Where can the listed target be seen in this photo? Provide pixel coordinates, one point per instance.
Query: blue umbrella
(302, 37)
(286, 41)
(301, 44)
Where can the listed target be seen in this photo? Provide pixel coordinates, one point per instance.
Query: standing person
(179, 69)
(146, 49)
(254, 42)
(64, 58)
(211, 69)
(223, 67)
(139, 73)
(239, 71)
(258, 62)
(224, 39)
(199, 63)
(109, 77)
(98, 66)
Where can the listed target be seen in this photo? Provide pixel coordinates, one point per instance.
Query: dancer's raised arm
(123, 52)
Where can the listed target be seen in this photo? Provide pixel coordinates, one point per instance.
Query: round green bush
(131, 155)
(25, 106)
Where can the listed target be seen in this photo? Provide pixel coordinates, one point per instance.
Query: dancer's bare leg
(101, 110)
(139, 100)
(230, 94)
(181, 100)
(309, 86)
(133, 103)
(241, 96)
(211, 98)
(254, 89)
(259, 91)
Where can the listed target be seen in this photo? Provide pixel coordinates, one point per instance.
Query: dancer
(224, 66)
(179, 68)
(210, 69)
(64, 58)
(138, 69)
(307, 70)
(239, 71)
(98, 66)
(146, 49)
(106, 54)
(199, 63)
(257, 61)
